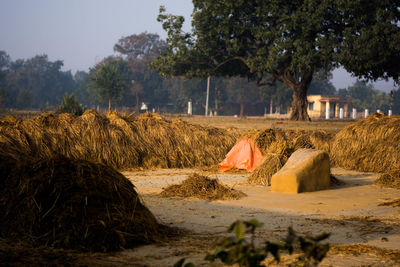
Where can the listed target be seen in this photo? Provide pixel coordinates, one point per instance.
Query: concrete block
(306, 170)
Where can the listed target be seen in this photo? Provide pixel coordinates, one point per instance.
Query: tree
(181, 91)
(35, 82)
(290, 40)
(365, 96)
(278, 95)
(321, 84)
(242, 91)
(5, 62)
(70, 105)
(82, 91)
(111, 78)
(24, 99)
(395, 101)
(139, 50)
(140, 47)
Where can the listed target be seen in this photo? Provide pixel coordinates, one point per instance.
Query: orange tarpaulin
(244, 155)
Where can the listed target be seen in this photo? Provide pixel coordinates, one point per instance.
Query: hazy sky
(82, 32)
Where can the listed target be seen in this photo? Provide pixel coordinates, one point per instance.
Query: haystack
(178, 144)
(73, 204)
(371, 144)
(121, 142)
(202, 187)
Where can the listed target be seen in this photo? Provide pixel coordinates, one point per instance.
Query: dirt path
(364, 225)
(364, 231)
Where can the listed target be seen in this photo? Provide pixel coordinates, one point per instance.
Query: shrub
(238, 250)
(70, 105)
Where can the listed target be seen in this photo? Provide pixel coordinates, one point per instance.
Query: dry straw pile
(72, 204)
(118, 141)
(57, 183)
(370, 144)
(202, 187)
(278, 145)
(390, 178)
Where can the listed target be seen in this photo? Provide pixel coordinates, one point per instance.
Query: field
(363, 218)
(249, 123)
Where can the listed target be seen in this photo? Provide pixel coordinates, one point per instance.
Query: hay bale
(321, 140)
(121, 142)
(202, 187)
(389, 179)
(269, 166)
(371, 144)
(302, 141)
(266, 137)
(74, 204)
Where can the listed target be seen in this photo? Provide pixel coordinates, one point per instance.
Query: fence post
(354, 114)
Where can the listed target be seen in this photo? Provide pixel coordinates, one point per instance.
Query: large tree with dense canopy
(286, 40)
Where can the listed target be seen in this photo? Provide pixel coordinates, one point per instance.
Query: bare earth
(364, 231)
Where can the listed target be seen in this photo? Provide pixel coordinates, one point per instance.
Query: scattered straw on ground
(202, 187)
(359, 249)
(73, 204)
(392, 203)
(389, 179)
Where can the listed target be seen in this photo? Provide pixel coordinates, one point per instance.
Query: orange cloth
(244, 155)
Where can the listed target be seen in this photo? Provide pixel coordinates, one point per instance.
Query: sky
(83, 32)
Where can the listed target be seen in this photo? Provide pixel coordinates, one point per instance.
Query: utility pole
(208, 94)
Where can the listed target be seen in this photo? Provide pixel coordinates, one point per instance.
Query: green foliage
(5, 62)
(111, 79)
(365, 96)
(280, 94)
(139, 50)
(24, 99)
(83, 90)
(181, 91)
(238, 250)
(395, 101)
(369, 38)
(321, 84)
(33, 82)
(70, 105)
(289, 40)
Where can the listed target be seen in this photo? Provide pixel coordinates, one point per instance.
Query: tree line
(126, 80)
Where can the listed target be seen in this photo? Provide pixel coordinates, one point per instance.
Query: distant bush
(70, 105)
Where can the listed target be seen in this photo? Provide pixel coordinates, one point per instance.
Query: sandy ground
(363, 230)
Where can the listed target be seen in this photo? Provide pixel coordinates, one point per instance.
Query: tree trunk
(270, 106)
(299, 86)
(109, 104)
(299, 103)
(216, 107)
(137, 102)
(241, 110)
